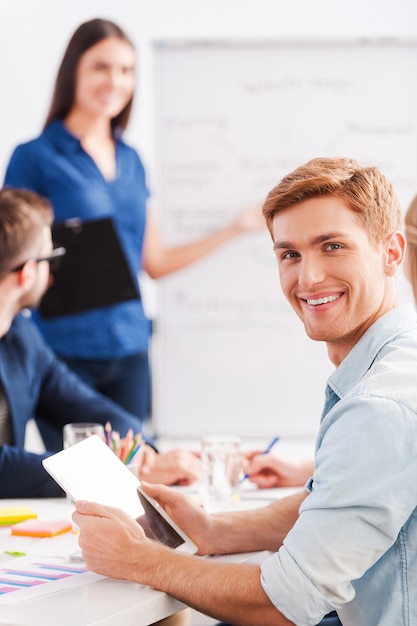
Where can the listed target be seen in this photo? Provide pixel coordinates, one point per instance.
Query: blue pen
(267, 449)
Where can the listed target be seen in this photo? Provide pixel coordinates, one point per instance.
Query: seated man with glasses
(32, 380)
(53, 259)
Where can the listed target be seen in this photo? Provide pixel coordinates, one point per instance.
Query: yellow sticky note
(14, 514)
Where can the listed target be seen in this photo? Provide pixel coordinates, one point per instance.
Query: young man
(347, 542)
(32, 380)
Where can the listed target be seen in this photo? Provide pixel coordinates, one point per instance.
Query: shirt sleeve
(22, 171)
(366, 453)
(23, 475)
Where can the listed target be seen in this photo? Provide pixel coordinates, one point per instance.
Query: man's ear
(26, 276)
(395, 253)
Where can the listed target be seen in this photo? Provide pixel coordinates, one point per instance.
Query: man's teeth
(323, 300)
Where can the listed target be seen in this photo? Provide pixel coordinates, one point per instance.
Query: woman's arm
(159, 260)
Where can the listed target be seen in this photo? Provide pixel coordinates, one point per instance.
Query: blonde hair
(364, 189)
(411, 236)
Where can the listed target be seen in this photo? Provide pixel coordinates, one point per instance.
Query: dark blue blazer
(37, 383)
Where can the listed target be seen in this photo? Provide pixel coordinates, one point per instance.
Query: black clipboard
(94, 271)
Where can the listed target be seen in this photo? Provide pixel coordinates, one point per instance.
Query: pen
(271, 445)
(267, 449)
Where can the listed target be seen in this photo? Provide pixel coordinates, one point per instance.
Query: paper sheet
(25, 578)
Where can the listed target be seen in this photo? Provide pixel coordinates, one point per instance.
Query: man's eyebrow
(287, 245)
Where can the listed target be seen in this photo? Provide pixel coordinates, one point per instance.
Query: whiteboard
(232, 118)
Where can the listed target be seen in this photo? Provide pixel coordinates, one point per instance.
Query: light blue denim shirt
(354, 546)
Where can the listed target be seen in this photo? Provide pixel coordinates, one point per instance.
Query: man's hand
(110, 539)
(269, 470)
(175, 467)
(189, 516)
(107, 533)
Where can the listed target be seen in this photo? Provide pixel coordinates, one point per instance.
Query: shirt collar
(65, 141)
(61, 138)
(360, 358)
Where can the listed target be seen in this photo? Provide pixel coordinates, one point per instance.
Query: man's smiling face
(333, 276)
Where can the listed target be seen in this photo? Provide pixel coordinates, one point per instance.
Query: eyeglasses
(53, 259)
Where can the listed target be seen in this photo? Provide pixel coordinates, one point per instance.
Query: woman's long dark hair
(87, 35)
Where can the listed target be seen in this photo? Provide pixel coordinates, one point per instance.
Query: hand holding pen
(251, 456)
(271, 470)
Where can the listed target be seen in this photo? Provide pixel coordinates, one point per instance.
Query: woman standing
(82, 165)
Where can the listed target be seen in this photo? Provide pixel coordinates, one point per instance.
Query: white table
(104, 601)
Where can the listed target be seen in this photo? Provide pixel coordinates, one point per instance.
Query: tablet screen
(159, 527)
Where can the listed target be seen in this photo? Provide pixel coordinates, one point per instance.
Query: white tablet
(89, 470)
